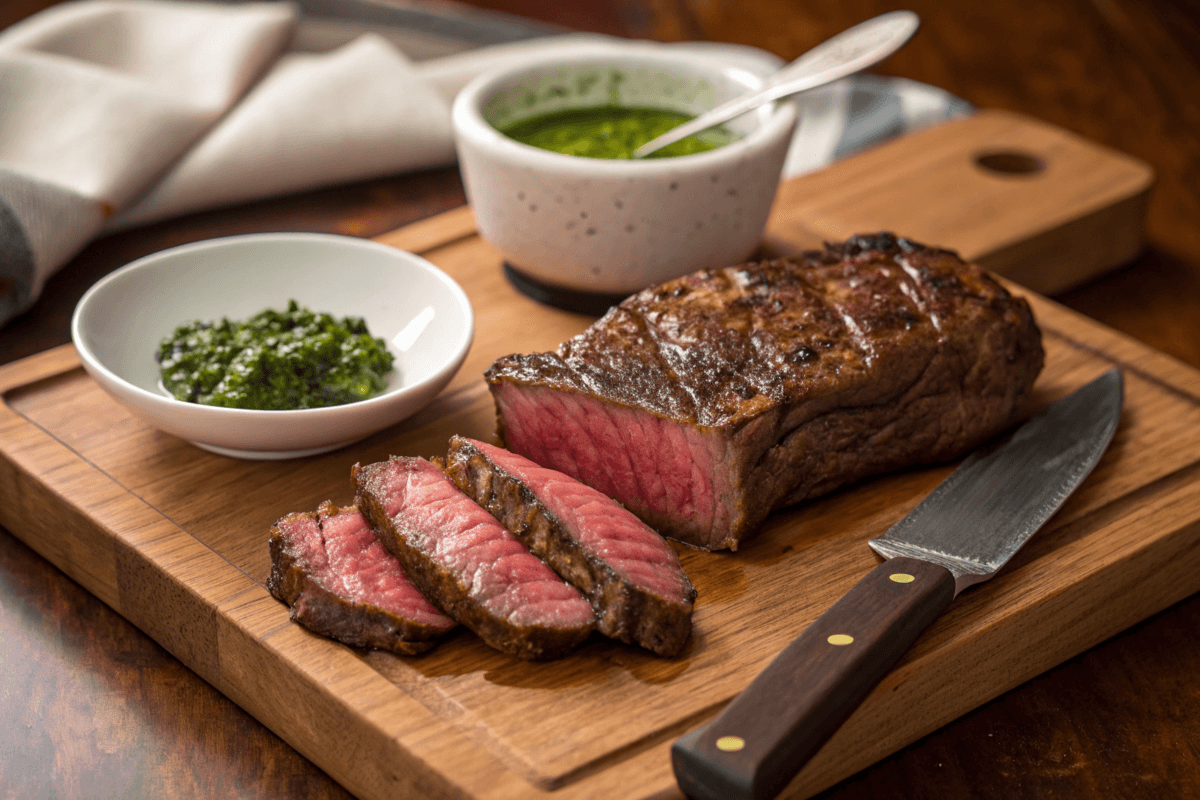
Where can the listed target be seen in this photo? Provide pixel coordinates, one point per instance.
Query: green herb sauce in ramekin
(275, 360)
(612, 132)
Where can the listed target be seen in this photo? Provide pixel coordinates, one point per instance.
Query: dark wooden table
(94, 708)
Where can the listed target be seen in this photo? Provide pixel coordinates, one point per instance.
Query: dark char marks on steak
(628, 572)
(468, 563)
(339, 581)
(706, 402)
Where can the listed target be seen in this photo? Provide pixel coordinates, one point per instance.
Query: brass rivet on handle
(731, 744)
(901, 577)
(840, 639)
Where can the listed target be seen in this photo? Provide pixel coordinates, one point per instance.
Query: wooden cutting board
(175, 538)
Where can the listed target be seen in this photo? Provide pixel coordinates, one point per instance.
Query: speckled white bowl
(610, 226)
(420, 312)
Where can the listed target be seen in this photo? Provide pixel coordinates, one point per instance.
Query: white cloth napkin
(114, 113)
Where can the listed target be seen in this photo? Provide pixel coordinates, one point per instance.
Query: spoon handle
(850, 51)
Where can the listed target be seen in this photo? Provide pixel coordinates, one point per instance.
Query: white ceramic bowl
(421, 313)
(612, 226)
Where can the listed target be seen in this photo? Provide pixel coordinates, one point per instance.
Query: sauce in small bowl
(423, 317)
(613, 132)
(573, 216)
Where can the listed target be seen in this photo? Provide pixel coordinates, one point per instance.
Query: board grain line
(101, 471)
(1121, 506)
(1134, 369)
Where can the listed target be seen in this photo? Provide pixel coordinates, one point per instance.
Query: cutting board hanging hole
(1034, 203)
(1011, 162)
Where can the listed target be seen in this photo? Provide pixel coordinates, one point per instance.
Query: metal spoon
(850, 51)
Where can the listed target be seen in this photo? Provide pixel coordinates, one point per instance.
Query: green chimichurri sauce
(275, 361)
(612, 132)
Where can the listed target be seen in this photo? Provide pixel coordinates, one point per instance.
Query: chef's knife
(961, 534)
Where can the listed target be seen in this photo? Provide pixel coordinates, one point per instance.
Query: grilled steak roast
(340, 582)
(706, 402)
(631, 576)
(468, 563)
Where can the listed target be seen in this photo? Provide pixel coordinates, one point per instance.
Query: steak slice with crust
(468, 563)
(707, 402)
(339, 581)
(628, 572)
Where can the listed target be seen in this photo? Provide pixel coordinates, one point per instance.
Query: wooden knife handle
(762, 738)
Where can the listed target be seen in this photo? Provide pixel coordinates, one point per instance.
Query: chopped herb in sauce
(275, 361)
(612, 132)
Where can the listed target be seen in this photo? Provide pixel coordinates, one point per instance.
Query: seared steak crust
(302, 577)
(708, 401)
(632, 578)
(468, 564)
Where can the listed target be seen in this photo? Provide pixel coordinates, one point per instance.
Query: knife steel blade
(962, 533)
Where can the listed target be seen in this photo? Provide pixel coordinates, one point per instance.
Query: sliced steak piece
(628, 572)
(467, 563)
(332, 570)
(706, 402)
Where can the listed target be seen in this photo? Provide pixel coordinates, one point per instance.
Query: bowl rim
(468, 121)
(166, 404)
